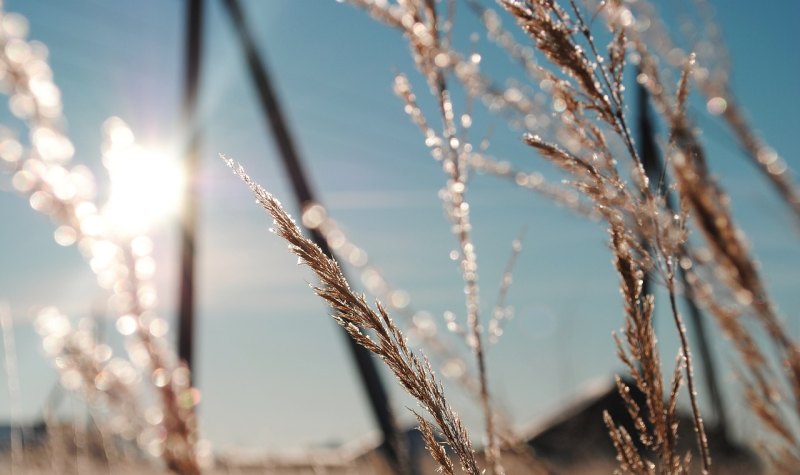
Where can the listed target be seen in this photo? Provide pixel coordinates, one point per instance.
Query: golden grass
(589, 141)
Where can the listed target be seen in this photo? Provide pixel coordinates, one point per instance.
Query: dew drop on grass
(155, 448)
(15, 25)
(22, 105)
(102, 353)
(65, 235)
(400, 299)
(160, 377)
(159, 327)
(716, 105)
(181, 376)
(442, 60)
(103, 381)
(154, 415)
(453, 368)
(52, 345)
(767, 156)
(313, 216)
(357, 257)
(424, 324)
(126, 324)
(23, 180)
(50, 322)
(10, 150)
(472, 342)
(41, 201)
(776, 168)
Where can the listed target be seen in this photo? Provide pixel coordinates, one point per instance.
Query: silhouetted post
(194, 47)
(394, 446)
(654, 167)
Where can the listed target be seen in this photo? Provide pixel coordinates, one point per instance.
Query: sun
(146, 184)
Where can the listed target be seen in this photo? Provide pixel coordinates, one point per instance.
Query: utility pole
(194, 50)
(394, 444)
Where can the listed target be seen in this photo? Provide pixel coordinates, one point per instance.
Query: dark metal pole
(194, 44)
(393, 444)
(654, 167)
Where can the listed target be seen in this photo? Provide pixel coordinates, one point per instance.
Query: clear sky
(273, 369)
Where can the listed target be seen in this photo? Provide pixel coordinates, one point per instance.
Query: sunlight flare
(146, 184)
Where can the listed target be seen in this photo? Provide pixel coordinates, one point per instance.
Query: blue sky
(273, 370)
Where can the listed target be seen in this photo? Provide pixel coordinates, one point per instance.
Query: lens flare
(146, 184)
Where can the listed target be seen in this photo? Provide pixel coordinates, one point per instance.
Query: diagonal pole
(194, 44)
(393, 445)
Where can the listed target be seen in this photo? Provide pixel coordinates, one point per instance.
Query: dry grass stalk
(352, 311)
(761, 155)
(597, 86)
(713, 81)
(643, 363)
(548, 25)
(502, 311)
(591, 99)
(589, 94)
(420, 22)
(761, 389)
(702, 198)
(533, 181)
(627, 454)
(551, 28)
(434, 448)
(457, 207)
(738, 269)
(65, 194)
(419, 323)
